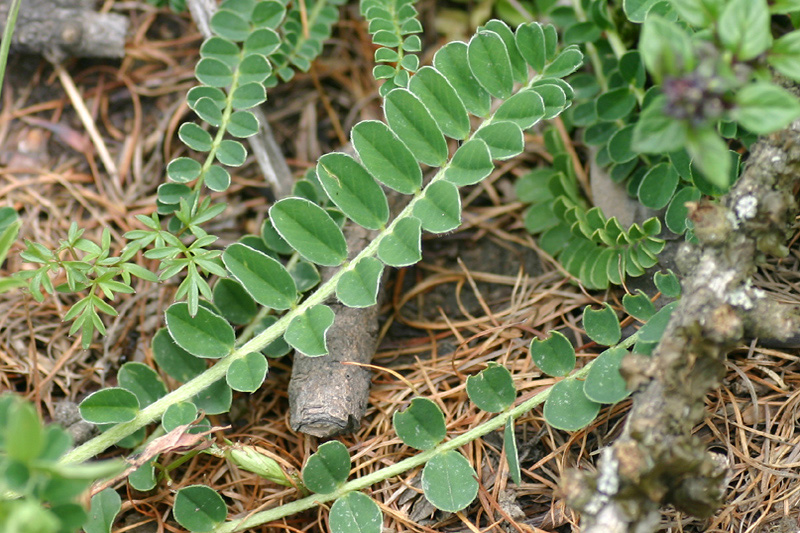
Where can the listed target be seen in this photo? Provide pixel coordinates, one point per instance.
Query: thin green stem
(5, 44)
(396, 469)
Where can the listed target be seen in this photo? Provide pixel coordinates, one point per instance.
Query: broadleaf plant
(451, 120)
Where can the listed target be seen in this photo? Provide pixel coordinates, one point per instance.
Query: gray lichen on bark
(657, 461)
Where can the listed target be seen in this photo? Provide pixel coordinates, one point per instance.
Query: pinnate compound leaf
(353, 190)
(143, 381)
(512, 455)
(306, 332)
(504, 139)
(199, 508)
(178, 414)
(554, 355)
(439, 209)
(401, 247)
(248, 373)
(452, 62)
(264, 278)
(654, 329)
(568, 408)
(385, 157)
(411, 121)
(446, 108)
(763, 107)
(525, 108)
(358, 286)
(355, 512)
(492, 390)
(104, 508)
(490, 64)
(179, 364)
(604, 384)
(110, 406)
(421, 425)
(328, 468)
(449, 482)
(204, 335)
(602, 325)
(309, 230)
(471, 163)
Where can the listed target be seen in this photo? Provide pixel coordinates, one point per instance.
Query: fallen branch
(58, 29)
(657, 461)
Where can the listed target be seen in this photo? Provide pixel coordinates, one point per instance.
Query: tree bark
(657, 461)
(58, 29)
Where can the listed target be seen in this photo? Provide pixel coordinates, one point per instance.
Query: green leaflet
(306, 332)
(385, 157)
(142, 381)
(531, 44)
(248, 373)
(492, 390)
(439, 210)
(442, 101)
(199, 508)
(449, 482)
(408, 117)
(203, 335)
(525, 108)
(421, 425)
(353, 190)
(519, 68)
(490, 64)
(504, 139)
(604, 384)
(355, 512)
(451, 60)
(568, 408)
(401, 247)
(112, 405)
(471, 163)
(328, 468)
(358, 286)
(309, 230)
(264, 278)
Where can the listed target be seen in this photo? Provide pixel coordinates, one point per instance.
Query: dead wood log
(58, 29)
(657, 461)
(328, 396)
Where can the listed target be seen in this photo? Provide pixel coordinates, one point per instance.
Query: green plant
(481, 95)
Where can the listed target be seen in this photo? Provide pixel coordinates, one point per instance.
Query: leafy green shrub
(478, 97)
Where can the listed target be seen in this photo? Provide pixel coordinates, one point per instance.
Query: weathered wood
(58, 29)
(327, 396)
(657, 461)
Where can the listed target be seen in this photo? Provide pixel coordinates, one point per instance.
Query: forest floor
(479, 295)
